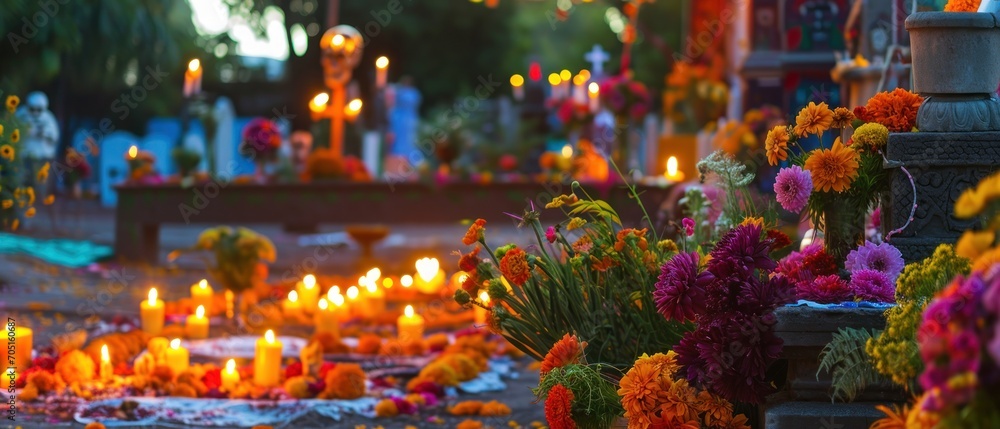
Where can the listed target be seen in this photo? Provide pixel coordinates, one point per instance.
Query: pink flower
(872, 285)
(793, 186)
(688, 224)
(550, 234)
(828, 289)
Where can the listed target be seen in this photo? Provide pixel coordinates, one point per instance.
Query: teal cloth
(68, 253)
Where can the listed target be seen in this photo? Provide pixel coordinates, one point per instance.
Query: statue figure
(404, 117)
(41, 138)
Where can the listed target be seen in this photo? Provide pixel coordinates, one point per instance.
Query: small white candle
(672, 173)
(230, 376)
(178, 358)
(594, 92)
(410, 325)
(517, 84)
(152, 313)
(381, 72)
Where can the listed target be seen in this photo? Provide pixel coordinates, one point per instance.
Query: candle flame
(133, 152)
(231, 366)
(516, 80)
(372, 287)
(105, 356)
(462, 278)
(337, 300)
(672, 166)
(363, 281)
(323, 304)
(200, 312)
(269, 336)
(334, 291)
(408, 311)
(382, 62)
(484, 297)
(579, 80)
(387, 282)
(427, 268)
(175, 343)
(309, 281)
(203, 284)
(374, 274)
(554, 79)
(586, 74)
(567, 151)
(194, 65)
(354, 106)
(406, 280)
(152, 296)
(352, 292)
(293, 296)
(565, 75)
(318, 103)
(338, 40)
(593, 89)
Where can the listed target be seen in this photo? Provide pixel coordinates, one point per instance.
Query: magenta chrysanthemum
(678, 296)
(880, 257)
(828, 289)
(873, 286)
(741, 251)
(793, 185)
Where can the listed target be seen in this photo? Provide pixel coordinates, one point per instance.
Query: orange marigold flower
(469, 261)
(738, 421)
(386, 408)
(12, 102)
(776, 144)
(715, 409)
(896, 110)
(895, 417)
(345, 381)
(842, 117)
(566, 351)
(475, 232)
(627, 232)
(494, 408)
(833, 169)
(583, 244)
(641, 393)
(759, 221)
(469, 424)
(603, 264)
(987, 260)
(962, 6)
(514, 266)
(559, 408)
(813, 119)
(681, 400)
(664, 363)
(466, 408)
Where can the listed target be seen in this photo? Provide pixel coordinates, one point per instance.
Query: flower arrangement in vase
(17, 199)
(261, 140)
(839, 184)
(629, 101)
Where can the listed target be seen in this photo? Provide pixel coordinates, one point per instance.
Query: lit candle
(151, 313)
(308, 292)
(106, 371)
(580, 89)
(565, 80)
(202, 294)
(318, 103)
(410, 326)
(352, 109)
(373, 275)
(192, 78)
(673, 174)
(326, 318)
(406, 280)
(430, 277)
(197, 324)
(334, 290)
(267, 361)
(230, 376)
(133, 151)
(355, 301)
(381, 70)
(23, 339)
(517, 83)
(566, 161)
(594, 92)
(292, 306)
(337, 306)
(480, 312)
(178, 358)
(375, 300)
(157, 347)
(556, 83)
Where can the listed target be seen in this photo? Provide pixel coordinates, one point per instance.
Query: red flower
(212, 378)
(564, 352)
(469, 261)
(559, 408)
(293, 370)
(778, 239)
(514, 266)
(475, 232)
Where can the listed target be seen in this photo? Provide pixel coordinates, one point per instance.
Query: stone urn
(956, 66)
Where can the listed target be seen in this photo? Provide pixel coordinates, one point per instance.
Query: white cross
(596, 57)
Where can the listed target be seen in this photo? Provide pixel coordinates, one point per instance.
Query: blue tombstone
(113, 167)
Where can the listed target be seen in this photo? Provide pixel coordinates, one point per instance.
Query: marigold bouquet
(261, 140)
(838, 185)
(239, 256)
(587, 275)
(694, 96)
(16, 199)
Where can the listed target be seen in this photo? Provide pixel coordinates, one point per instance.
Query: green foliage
(981, 413)
(894, 352)
(11, 169)
(596, 404)
(238, 255)
(186, 159)
(845, 358)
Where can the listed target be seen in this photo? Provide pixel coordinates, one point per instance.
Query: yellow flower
(575, 223)
(833, 169)
(13, 225)
(1, 129)
(30, 213)
(562, 200)
(49, 200)
(7, 151)
(15, 136)
(872, 134)
(759, 221)
(813, 119)
(6, 204)
(972, 244)
(969, 204)
(776, 144)
(12, 102)
(43, 173)
(987, 260)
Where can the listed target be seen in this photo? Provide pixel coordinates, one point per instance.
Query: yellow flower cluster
(871, 135)
(894, 352)
(980, 201)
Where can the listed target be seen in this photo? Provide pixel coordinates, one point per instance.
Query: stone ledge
(945, 149)
(820, 415)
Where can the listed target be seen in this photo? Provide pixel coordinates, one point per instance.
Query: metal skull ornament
(342, 46)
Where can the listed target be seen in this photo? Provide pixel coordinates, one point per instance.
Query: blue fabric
(68, 253)
(403, 120)
(846, 304)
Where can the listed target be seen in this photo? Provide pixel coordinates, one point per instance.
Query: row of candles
(565, 85)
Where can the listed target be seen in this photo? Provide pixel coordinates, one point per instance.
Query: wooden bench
(143, 208)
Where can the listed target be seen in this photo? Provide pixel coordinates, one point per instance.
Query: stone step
(821, 415)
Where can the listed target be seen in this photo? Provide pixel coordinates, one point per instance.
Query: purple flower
(688, 225)
(793, 186)
(828, 289)
(678, 296)
(404, 406)
(882, 257)
(550, 234)
(740, 251)
(873, 286)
